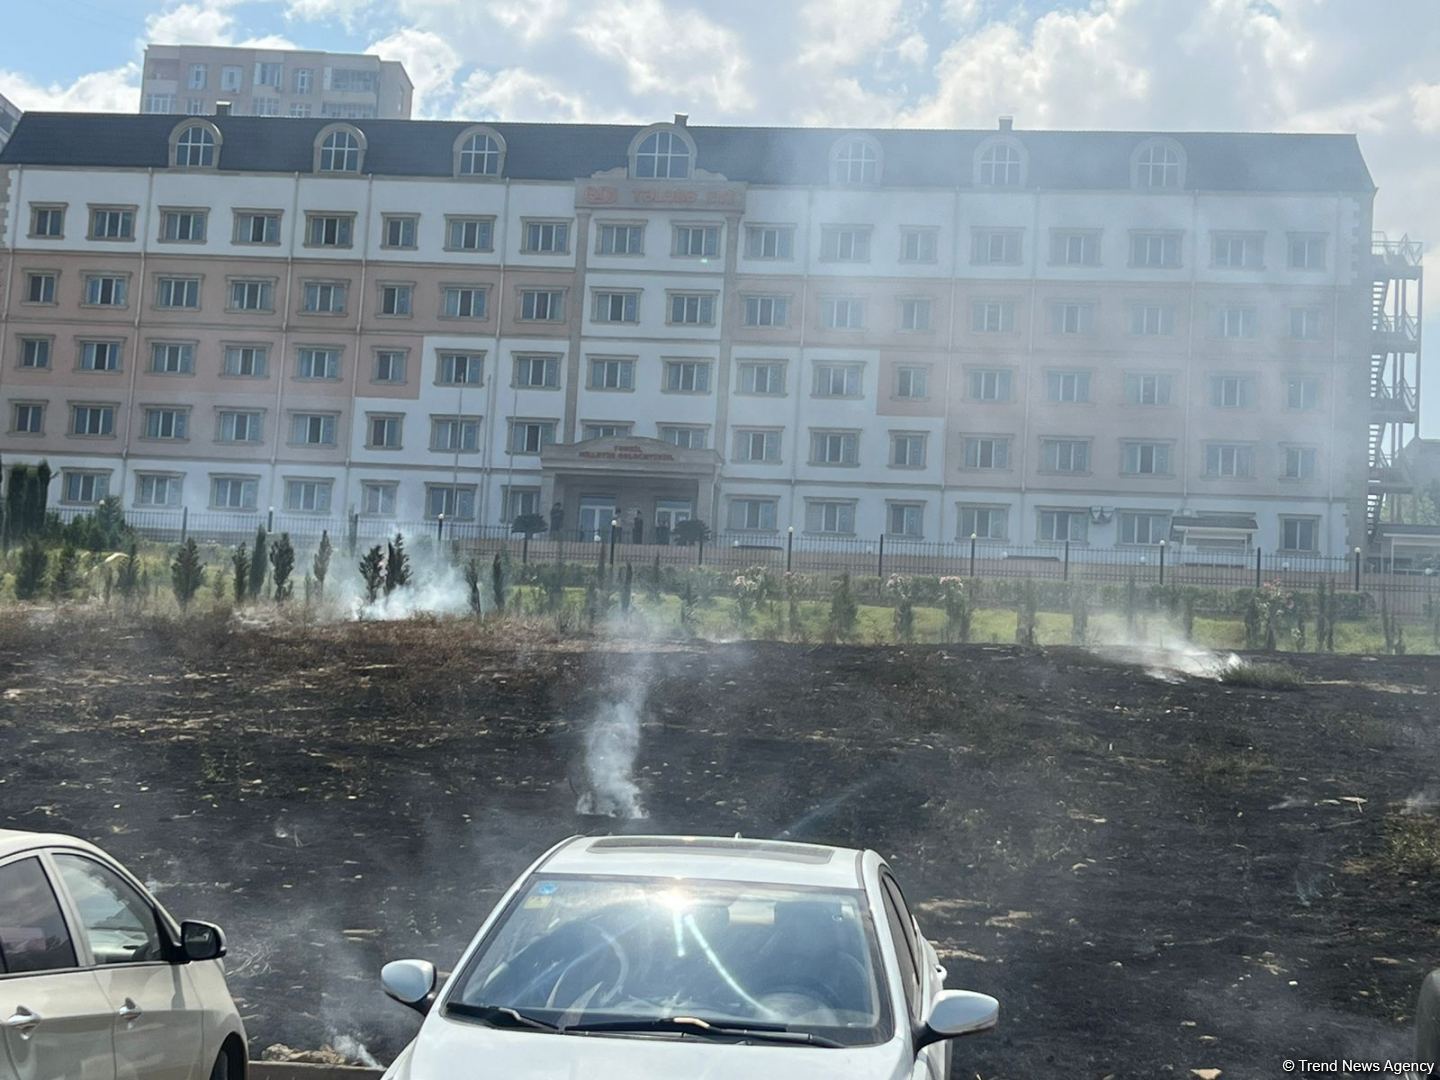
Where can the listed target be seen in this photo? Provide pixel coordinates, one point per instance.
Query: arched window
(1159, 165)
(1000, 164)
(662, 155)
(340, 151)
(855, 161)
(195, 146)
(479, 153)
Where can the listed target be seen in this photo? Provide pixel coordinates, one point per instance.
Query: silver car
(97, 981)
(728, 959)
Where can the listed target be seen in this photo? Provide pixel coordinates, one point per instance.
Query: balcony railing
(1403, 252)
(1405, 327)
(1392, 399)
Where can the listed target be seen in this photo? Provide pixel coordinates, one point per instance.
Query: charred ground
(1153, 875)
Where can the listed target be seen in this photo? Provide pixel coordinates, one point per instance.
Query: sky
(1371, 67)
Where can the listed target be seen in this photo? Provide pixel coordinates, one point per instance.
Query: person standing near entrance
(637, 529)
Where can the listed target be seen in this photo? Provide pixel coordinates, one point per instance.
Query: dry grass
(1262, 675)
(1412, 844)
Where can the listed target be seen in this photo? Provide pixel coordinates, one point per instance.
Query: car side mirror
(410, 982)
(201, 940)
(956, 1013)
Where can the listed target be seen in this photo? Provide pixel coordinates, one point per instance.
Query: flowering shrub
(751, 588)
(902, 589)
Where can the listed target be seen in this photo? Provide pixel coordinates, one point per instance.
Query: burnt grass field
(1154, 873)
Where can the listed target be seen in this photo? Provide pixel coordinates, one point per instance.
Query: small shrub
(397, 566)
(320, 565)
(372, 573)
(497, 578)
(691, 532)
(187, 573)
(240, 572)
(30, 573)
(626, 583)
(472, 586)
(844, 611)
(903, 619)
(1262, 675)
(66, 574)
(282, 564)
(959, 608)
(127, 575)
(259, 559)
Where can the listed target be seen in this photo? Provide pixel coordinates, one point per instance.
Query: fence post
(1257, 568)
(700, 553)
(880, 562)
(525, 550)
(973, 539)
(354, 531)
(1067, 561)
(184, 524)
(789, 547)
(270, 520)
(1162, 563)
(1357, 569)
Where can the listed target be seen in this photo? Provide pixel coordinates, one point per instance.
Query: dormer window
(479, 153)
(195, 147)
(663, 154)
(1000, 164)
(340, 151)
(1159, 165)
(855, 161)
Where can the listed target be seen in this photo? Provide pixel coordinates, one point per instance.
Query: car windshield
(580, 951)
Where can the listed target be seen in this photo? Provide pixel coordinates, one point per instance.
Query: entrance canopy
(627, 480)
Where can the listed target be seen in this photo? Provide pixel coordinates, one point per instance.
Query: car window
(909, 972)
(33, 936)
(119, 924)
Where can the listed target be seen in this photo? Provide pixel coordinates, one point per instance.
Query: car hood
(450, 1050)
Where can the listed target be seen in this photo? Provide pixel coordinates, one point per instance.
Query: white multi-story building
(9, 117)
(1110, 339)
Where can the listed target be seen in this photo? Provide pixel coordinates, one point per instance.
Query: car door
(158, 1026)
(55, 1021)
(917, 978)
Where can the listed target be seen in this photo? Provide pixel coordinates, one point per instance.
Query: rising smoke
(611, 746)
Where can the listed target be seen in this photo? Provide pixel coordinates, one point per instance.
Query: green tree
(282, 565)
(472, 586)
(67, 573)
(259, 560)
(844, 611)
(30, 573)
(320, 565)
(497, 582)
(626, 585)
(240, 572)
(187, 573)
(691, 532)
(127, 576)
(372, 572)
(528, 525)
(397, 566)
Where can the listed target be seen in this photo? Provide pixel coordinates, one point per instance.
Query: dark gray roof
(758, 155)
(1215, 520)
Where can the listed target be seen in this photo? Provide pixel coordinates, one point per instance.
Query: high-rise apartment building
(192, 79)
(1029, 337)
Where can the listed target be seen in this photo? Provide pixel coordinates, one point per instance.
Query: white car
(97, 981)
(625, 957)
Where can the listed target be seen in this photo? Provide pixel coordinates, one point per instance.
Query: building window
(112, 224)
(834, 448)
(1307, 251)
(80, 486)
(905, 520)
(383, 431)
(685, 436)
(537, 372)
(469, 234)
(757, 446)
(530, 436)
(692, 309)
(339, 152)
(995, 247)
(1145, 458)
(195, 106)
(769, 310)
(100, 356)
(611, 373)
(1305, 323)
(299, 110)
(231, 77)
(1143, 389)
(1074, 247)
(157, 489)
(47, 222)
(620, 240)
(1235, 321)
(40, 287)
(257, 227)
(1000, 165)
(984, 522)
(164, 423)
(1158, 165)
(329, 230)
(1237, 251)
(918, 245)
(459, 369)
(912, 382)
(845, 243)
(1229, 460)
(396, 300)
(172, 358)
(1140, 527)
(106, 290)
(1065, 455)
(159, 103)
(609, 430)
(304, 80)
(234, 492)
(855, 161)
(762, 377)
(463, 302)
(480, 155)
(239, 426)
(547, 237)
(662, 155)
(1300, 534)
(1152, 320)
(987, 452)
(769, 241)
(377, 498)
(177, 293)
(752, 515)
(687, 377)
(269, 74)
(842, 313)
(696, 241)
(247, 361)
(838, 380)
(990, 384)
(455, 434)
(28, 418)
(1067, 387)
(197, 77)
(325, 297)
(354, 81)
(1302, 392)
(907, 450)
(308, 496)
(318, 364)
(390, 366)
(915, 314)
(35, 352)
(1231, 392)
(542, 305)
(1299, 463)
(835, 516)
(195, 148)
(1072, 317)
(992, 316)
(1059, 526)
(516, 502)
(615, 307)
(1155, 250)
(92, 420)
(312, 429)
(398, 231)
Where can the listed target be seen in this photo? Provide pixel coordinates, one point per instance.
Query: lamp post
(789, 547)
(270, 520)
(1162, 562)
(974, 538)
(614, 536)
(1357, 569)
(440, 527)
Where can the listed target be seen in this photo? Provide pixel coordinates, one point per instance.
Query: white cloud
(530, 20)
(516, 94)
(345, 12)
(205, 22)
(1425, 106)
(431, 62)
(117, 90)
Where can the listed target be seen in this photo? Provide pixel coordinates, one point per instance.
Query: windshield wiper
(694, 1025)
(499, 1015)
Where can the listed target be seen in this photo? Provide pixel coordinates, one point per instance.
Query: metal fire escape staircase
(1395, 299)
